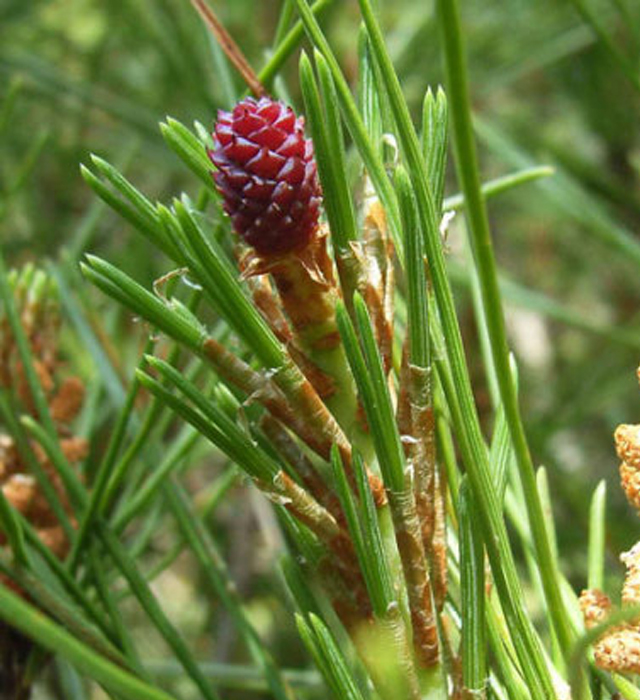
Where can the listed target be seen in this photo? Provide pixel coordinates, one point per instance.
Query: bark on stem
(393, 674)
(257, 385)
(429, 496)
(291, 398)
(290, 450)
(308, 294)
(412, 554)
(283, 490)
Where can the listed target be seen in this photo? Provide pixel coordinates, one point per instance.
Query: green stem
(356, 126)
(597, 534)
(74, 589)
(492, 188)
(97, 498)
(480, 238)
(144, 495)
(474, 661)
(109, 602)
(31, 622)
(239, 676)
(215, 570)
(471, 442)
(154, 611)
(287, 46)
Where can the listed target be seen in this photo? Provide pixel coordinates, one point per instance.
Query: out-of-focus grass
(85, 76)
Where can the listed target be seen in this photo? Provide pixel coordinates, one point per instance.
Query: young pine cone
(267, 175)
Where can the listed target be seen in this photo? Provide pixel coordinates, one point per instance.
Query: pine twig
(229, 46)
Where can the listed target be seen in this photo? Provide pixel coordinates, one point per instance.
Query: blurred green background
(83, 76)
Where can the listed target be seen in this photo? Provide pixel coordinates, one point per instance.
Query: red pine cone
(267, 175)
